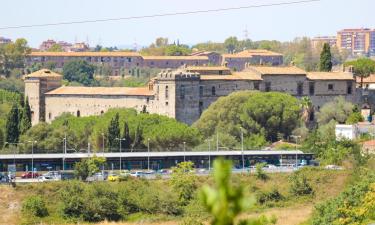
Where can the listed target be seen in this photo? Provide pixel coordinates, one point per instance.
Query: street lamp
(148, 157)
(184, 151)
(120, 140)
(209, 154)
(296, 139)
(32, 157)
(103, 153)
(64, 152)
(242, 151)
(14, 153)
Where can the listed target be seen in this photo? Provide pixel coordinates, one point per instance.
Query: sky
(282, 23)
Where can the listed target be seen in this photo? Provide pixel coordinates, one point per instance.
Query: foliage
(261, 220)
(299, 184)
(230, 44)
(362, 67)
(259, 172)
(265, 114)
(354, 118)
(12, 56)
(325, 58)
(79, 71)
(88, 166)
(183, 181)
(55, 48)
(12, 125)
(35, 206)
(25, 122)
(338, 110)
(264, 197)
(177, 50)
(113, 132)
(225, 202)
(12, 84)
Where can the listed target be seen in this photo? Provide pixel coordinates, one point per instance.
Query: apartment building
(357, 41)
(331, 40)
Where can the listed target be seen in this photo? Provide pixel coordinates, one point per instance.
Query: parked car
(136, 174)
(4, 178)
(50, 176)
(333, 167)
(30, 175)
(113, 177)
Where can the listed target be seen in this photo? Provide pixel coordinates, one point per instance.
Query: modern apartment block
(357, 41)
(331, 40)
(4, 40)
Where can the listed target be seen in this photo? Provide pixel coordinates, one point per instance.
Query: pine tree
(126, 135)
(25, 120)
(1, 138)
(325, 59)
(12, 125)
(113, 132)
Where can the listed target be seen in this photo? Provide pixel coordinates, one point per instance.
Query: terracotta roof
(84, 54)
(277, 70)
(369, 79)
(71, 90)
(43, 73)
(236, 76)
(330, 76)
(207, 68)
(175, 57)
(252, 52)
(369, 143)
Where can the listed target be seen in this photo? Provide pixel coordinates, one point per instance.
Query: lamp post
(14, 153)
(148, 155)
(32, 157)
(103, 146)
(242, 151)
(64, 152)
(296, 138)
(184, 151)
(209, 154)
(120, 140)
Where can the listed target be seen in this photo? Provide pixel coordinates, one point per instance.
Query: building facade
(357, 41)
(331, 40)
(182, 94)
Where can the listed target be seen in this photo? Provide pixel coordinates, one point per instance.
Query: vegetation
(325, 59)
(88, 167)
(35, 206)
(261, 116)
(184, 182)
(12, 56)
(79, 71)
(162, 47)
(362, 67)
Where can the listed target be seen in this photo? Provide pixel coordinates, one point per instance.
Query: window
(330, 87)
(78, 113)
(147, 100)
(166, 91)
(299, 88)
(157, 92)
(166, 103)
(49, 115)
(268, 86)
(182, 92)
(349, 89)
(129, 59)
(200, 108)
(220, 72)
(101, 112)
(213, 90)
(311, 88)
(256, 85)
(200, 91)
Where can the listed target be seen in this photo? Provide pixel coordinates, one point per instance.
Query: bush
(259, 172)
(299, 184)
(35, 205)
(267, 197)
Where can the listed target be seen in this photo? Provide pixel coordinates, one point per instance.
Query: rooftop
(247, 75)
(119, 91)
(369, 79)
(207, 68)
(84, 54)
(42, 73)
(330, 76)
(175, 57)
(277, 70)
(252, 52)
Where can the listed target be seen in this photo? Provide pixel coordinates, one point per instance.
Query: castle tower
(36, 85)
(177, 95)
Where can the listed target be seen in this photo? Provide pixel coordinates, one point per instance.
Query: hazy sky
(277, 22)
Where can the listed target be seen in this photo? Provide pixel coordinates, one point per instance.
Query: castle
(182, 93)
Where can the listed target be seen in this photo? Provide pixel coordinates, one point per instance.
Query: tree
(259, 172)
(12, 56)
(176, 50)
(362, 67)
(231, 44)
(2, 142)
(113, 132)
(88, 166)
(55, 48)
(325, 59)
(354, 118)
(12, 125)
(184, 181)
(79, 71)
(160, 42)
(338, 110)
(25, 122)
(126, 136)
(307, 108)
(137, 137)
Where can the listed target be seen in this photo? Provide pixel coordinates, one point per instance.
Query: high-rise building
(331, 40)
(357, 41)
(46, 45)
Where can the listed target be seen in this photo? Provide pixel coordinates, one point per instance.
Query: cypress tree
(12, 125)
(113, 132)
(126, 135)
(137, 137)
(325, 64)
(1, 138)
(25, 123)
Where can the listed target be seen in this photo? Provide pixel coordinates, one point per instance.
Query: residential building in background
(4, 40)
(182, 93)
(331, 40)
(79, 47)
(66, 47)
(357, 41)
(46, 45)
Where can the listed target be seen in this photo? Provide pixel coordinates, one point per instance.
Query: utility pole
(120, 140)
(32, 157)
(242, 151)
(148, 155)
(103, 145)
(184, 151)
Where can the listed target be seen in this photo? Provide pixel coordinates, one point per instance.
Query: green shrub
(299, 184)
(35, 205)
(271, 196)
(259, 172)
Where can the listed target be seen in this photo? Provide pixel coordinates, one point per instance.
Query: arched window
(101, 112)
(78, 113)
(213, 90)
(166, 91)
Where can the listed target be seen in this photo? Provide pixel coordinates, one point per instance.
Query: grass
(291, 210)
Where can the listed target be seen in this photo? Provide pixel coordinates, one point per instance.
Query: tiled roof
(43, 73)
(369, 143)
(175, 57)
(236, 76)
(369, 79)
(330, 76)
(277, 70)
(208, 68)
(252, 52)
(70, 90)
(84, 54)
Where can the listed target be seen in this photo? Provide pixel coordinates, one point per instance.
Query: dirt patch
(10, 205)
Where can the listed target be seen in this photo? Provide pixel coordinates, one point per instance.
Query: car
(333, 167)
(30, 175)
(136, 174)
(4, 178)
(113, 177)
